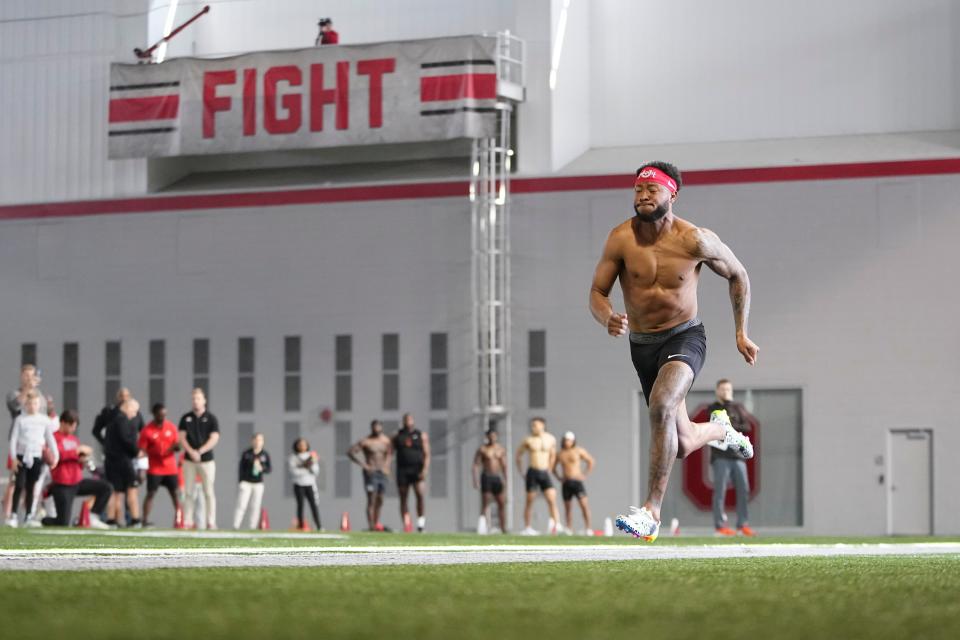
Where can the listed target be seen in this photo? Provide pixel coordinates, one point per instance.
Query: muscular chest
(668, 266)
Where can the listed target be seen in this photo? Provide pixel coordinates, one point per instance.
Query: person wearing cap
(327, 35)
(657, 257)
(570, 461)
(490, 476)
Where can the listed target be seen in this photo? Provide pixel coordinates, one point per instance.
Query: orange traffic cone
(407, 523)
(345, 521)
(264, 519)
(178, 518)
(83, 520)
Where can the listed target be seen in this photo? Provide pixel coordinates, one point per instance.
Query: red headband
(650, 174)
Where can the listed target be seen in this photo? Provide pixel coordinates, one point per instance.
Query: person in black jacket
(120, 452)
(254, 464)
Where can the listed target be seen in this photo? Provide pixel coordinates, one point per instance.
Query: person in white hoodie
(304, 467)
(31, 431)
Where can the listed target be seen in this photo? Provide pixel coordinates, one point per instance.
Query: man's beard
(653, 216)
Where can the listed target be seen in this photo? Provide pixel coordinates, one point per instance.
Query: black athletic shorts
(374, 481)
(121, 473)
(491, 484)
(169, 482)
(538, 479)
(573, 489)
(408, 475)
(650, 351)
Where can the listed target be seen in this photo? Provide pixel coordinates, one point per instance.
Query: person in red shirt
(327, 35)
(159, 440)
(68, 480)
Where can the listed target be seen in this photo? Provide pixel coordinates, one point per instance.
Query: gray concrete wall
(853, 303)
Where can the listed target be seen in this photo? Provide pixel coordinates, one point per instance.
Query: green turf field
(876, 598)
(758, 598)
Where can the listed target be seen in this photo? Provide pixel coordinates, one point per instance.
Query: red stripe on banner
(482, 86)
(458, 189)
(137, 109)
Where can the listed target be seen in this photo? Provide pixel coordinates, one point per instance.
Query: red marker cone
(407, 523)
(83, 520)
(178, 518)
(345, 521)
(264, 519)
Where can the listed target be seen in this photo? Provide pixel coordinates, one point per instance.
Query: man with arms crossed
(490, 476)
(542, 448)
(377, 451)
(657, 257)
(571, 459)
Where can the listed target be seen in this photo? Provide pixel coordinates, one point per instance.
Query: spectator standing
(254, 464)
(31, 431)
(490, 471)
(108, 414)
(412, 448)
(570, 461)
(29, 381)
(327, 35)
(68, 480)
(199, 434)
(725, 464)
(160, 441)
(120, 454)
(304, 467)
(377, 449)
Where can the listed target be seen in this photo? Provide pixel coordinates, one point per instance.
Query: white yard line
(82, 559)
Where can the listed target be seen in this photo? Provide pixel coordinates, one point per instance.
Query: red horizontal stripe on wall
(137, 109)
(460, 189)
(482, 86)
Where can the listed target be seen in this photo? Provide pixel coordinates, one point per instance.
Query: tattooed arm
(721, 261)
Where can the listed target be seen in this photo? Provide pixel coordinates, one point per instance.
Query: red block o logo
(696, 469)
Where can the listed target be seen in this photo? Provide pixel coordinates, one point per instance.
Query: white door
(910, 486)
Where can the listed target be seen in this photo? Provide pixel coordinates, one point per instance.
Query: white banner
(329, 96)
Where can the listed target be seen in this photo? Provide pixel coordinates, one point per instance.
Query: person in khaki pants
(199, 434)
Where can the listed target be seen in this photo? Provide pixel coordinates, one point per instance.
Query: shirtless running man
(377, 451)
(657, 257)
(490, 477)
(542, 448)
(570, 460)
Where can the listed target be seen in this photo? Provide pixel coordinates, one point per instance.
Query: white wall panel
(54, 77)
(689, 72)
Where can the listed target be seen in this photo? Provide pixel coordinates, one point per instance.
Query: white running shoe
(32, 523)
(11, 521)
(421, 523)
(639, 524)
(733, 440)
(97, 523)
(529, 531)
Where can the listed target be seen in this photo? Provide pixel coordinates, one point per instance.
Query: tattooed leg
(673, 381)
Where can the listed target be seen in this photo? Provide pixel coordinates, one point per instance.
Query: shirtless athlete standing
(377, 451)
(570, 461)
(490, 476)
(542, 448)
(657, 258)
